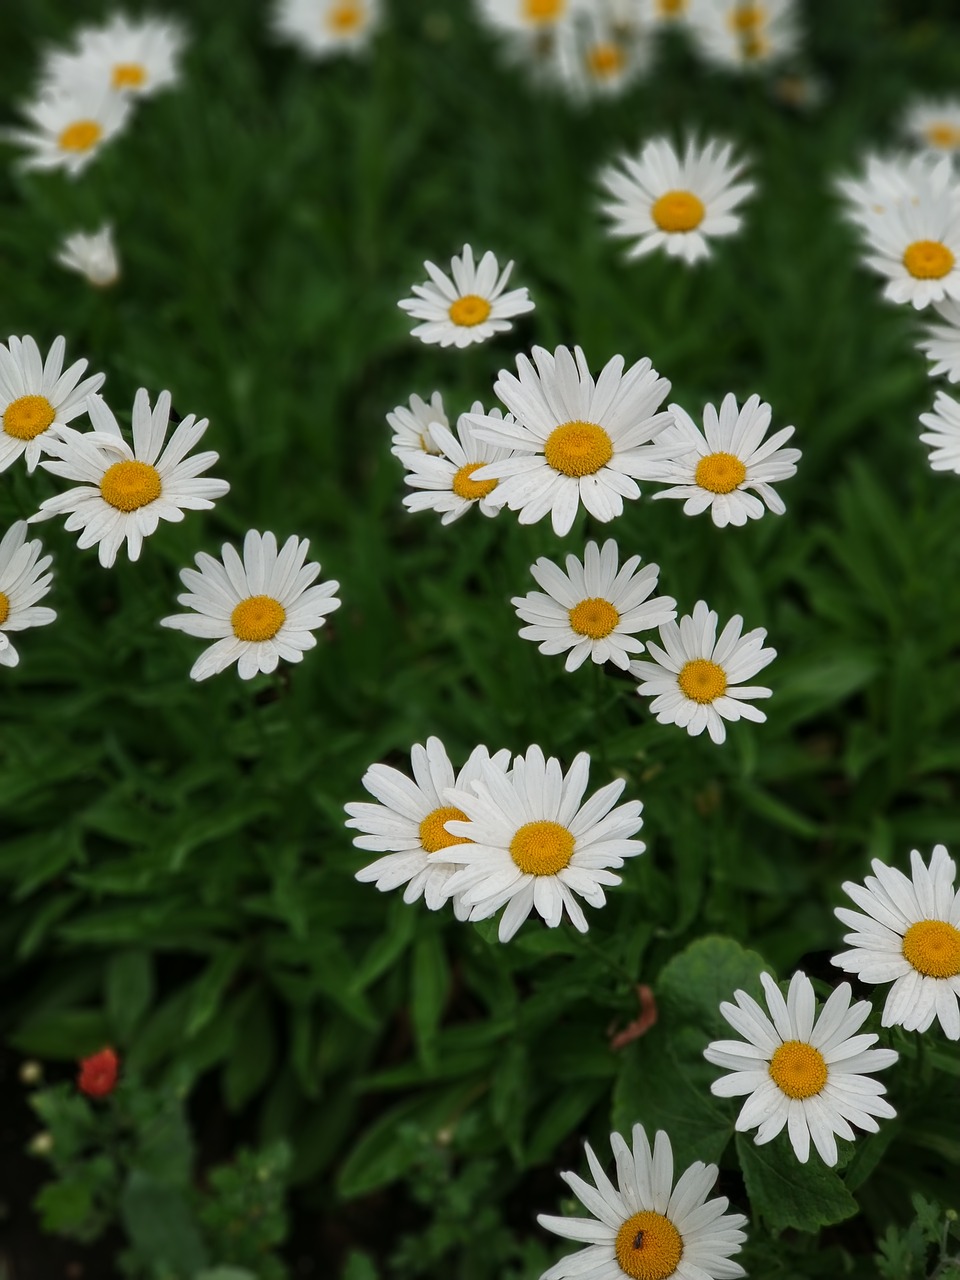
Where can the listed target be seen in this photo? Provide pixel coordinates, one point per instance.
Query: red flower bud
(98, 1074)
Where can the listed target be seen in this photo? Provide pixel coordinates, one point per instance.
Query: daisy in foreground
(408, 823)
(714, 468)
(411, 426)
(662, 199)
(916, 245)
(469, 307)
(908, 933)
(532, 844)
(132, 56)
(93, 256)
(943, 434)
(69, 125)
(592, 610)
(446, 481)
(645, 1226)
(808, 1074)
(125, 492)
(574, 440)
(38, 398)
(24, 579)
(694, 679)
(324, 28)
(941, 345)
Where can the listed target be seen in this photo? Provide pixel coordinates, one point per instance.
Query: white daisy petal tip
(467, 305)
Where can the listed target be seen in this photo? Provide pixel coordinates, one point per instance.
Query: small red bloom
(98, 1074)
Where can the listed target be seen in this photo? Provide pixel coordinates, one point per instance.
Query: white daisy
(716, 467)
(324, 28)
(806, 1073)
(38, 398)
(93, 256)
(125, 492)
(470, 307)
(532, 19)
(908, 933)
(744, 34)
(943, 436)
(941, 345)
(536, 844)
(886, 180)
(257, 610)
(409, 822)
(934, 123)
(136, 56)
(411, 426)
(693, 679)
(600, 55)
(69, 125)
(663, 12)
(575, 440)
(662, 199)
(446, 480)
(916, 244)
(24, 579)
(646, 1227)
(592, 610)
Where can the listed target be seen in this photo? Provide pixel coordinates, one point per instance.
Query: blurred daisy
(470, 307)
(575, 440)
(694, 679)
(528, 18)
(125, 492)
(24, 579)
(93, 256)
(645, 1226)
(916, 245)
(38, 398)
(943, 436)
(136, 56)
(714, 468)
(662, 199)
(886, 180)
(663, 12)
(409, 821)
(941, 346)
(256, 610)
(908, 933)
(323, 28)
(600, 56)
(535, 844)
(934, 124)
(808, 1074)
(69, 125)
(743, 34)
(592, 610)
(446, 481)
(411, 426)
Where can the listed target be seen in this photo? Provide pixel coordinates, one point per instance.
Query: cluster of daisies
(256, 608)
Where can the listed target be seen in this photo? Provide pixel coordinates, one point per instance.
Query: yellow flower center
(754, 46)
(670, 8)
(464, 487)
(933, 948)
(702, 681)
(129, 75)
(648, 1246)
(943, 135)
(28, 417)
(542, 848)
(257, 618)
(469, 310)
(80, 136)
(605, 59)
(928, 259)
(578, 448)
(798, 1069)
(594, 617)
(4, 608)
(678, 211)
(746, 18)
(346, 17)
(543, 10)
(433, 835)
(720, 472)
(128, 486)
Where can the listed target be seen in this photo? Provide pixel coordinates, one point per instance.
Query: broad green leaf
(129, 983)
(785, 1193)
(158, 1221)
(691, 986)
(254, 1053)
(209, 988)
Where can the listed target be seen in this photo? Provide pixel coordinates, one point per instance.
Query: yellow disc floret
(469, 310)
(542, 848)
(670, 8)
(464, 487)
(605, 59)
(648, 1246)
(928, 260)
(933, 948)
(594, 617)
(28, 417)
(4, 608)
(720, 472)
(943, 135)
(345, 17)
(578, 448)
(543, 10)
(129, 75)
(678, 211)
(128, 486)
(746, 18)
(702, 681)
(798, 1069)
(433, 834)
(80, 136)
(257, 618)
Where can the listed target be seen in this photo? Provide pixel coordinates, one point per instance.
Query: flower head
(941, 345)
(130, 56)
(69, 125)
(325, 28)
(934, 124)
(93, 256)
(38, 398)
(888, 180)
(445, 482)
(24, 579)
(744, 35)
(97, 1076)
(942, 436)
(467, 306)
(915, 243)
(411, 426)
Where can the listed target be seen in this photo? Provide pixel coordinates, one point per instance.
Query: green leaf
(691, 986)
(130, 986)
(429, 981)
(62, 1033)
(209, 988)
(359, 1266)
(786, 1193)
(250, 1063)
(64, 1206)
(159, 1223)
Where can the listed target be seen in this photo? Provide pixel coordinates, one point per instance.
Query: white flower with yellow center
(886, 180)
(943, 436)
(534, 843)
(324, 28)
(469, 307)
(740, 35)
(574, 440)
(125, 492)
(916, 244)
(600, 55)
(663, 12)
(411, 426)
(665, 200)
(808, 1074)
(93, 256)
(934, 124)
(941, 345)
(24, 579)
(38, 398)
(136, 56)
(645, 1227)
(529, 18)
(258, 609)
(592, 610)
(908, 933)
(446, 481)
(69, 125)
(715, 468)
(694, 680)
(409, 821)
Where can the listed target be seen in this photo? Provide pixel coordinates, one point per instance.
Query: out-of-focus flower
(69, 126)
(136, 56)
(93, 256)
(98, 1074)
(324, 28)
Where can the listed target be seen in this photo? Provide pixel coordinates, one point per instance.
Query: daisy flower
(470, 307)
(532, 19)
(714, 468)
(934, 124)
(256, 610)
(125, 492)
(663, 12)
(38, 398)
(446, 481)
(916, 245)
(534, 844)
(908, 933)
(806, 1073)
(575, 440)
(411, 426)
(93, 256)
(592, 610)
(409, 821)
(599, 56)
(24, 579)
(693, 679)
(943, 436)
(662, 199)
(69, 125)
(743, 34)
(136, 56)
(324, 28)
(646, 1226)
(885, 180)
(941, 346)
